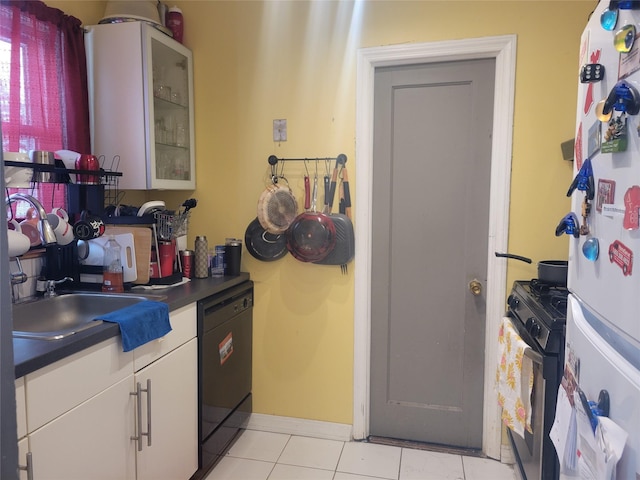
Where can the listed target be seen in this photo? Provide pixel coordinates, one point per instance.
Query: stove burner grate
(541, 287)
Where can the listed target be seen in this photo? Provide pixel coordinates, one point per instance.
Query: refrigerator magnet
(578, 147)
(606, 193)
(594, 138)
(589, 74)
(622, 256)
(615, 136)
(631, 208)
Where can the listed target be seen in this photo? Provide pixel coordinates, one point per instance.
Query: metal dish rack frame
(168, 227)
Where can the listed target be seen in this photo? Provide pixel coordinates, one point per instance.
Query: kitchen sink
(58, 317)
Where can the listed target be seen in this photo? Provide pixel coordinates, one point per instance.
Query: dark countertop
(32, 354)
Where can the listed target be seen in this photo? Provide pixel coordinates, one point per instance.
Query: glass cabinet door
(171, 121)
(141, 105)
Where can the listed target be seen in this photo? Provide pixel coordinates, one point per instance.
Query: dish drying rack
(169, 226)
(112, 195)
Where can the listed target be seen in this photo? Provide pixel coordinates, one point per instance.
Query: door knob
(475, 286)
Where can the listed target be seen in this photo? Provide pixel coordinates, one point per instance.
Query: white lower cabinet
(173, 453)
(90, 441)
(83, 411)
(21, 408)
(23, 450)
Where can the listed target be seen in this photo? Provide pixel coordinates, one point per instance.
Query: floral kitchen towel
(514, 379)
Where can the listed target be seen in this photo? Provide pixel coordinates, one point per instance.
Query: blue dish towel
(140, 323)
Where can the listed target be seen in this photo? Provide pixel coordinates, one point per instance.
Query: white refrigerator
(603, 311)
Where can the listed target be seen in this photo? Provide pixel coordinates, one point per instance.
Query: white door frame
(503, 49)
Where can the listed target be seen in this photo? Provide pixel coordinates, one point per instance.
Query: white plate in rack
(150, 207)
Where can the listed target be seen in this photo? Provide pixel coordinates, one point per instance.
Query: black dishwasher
(225, 333)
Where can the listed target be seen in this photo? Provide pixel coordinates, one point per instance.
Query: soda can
(186, 259)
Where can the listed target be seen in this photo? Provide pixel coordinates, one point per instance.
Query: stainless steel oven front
(528, 449)
(537, 315)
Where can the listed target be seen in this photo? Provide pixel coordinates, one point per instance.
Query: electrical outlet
(280, 130)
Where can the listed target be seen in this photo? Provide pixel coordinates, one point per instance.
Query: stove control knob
(533, 327)
(513, 302)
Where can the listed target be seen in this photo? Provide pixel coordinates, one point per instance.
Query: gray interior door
(431, 183)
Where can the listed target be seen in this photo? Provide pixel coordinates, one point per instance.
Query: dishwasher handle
(236, 306)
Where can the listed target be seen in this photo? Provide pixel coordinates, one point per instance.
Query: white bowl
(18, 243)
(133, 9)
(17, 177)
(69, 158)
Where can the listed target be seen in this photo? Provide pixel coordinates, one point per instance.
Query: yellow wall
(257, 61)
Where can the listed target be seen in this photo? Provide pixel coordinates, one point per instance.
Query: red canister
(88, 162)
(166, 258)
(175, 23)
(186, 259)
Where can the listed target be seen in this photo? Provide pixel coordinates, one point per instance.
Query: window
(43, 86)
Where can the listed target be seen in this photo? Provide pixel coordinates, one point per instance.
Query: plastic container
(218, 261)
(175, 22)
(112, 272)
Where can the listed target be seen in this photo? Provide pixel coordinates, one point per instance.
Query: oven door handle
(536, 357)
(533, 355)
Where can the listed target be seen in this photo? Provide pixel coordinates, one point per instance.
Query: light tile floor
(275, 456)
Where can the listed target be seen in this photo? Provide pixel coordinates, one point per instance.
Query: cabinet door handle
(148, 390)
(138, 395)
(28, 468)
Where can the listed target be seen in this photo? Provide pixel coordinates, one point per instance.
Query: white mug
(92, 253)
(60, 212)
(13, 224)
(62, 229)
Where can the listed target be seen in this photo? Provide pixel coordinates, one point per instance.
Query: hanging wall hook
(341, 159)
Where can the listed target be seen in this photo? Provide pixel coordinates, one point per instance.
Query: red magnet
(620, 254)
(578, 147)
(631, 207)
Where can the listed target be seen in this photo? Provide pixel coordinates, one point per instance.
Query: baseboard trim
(431, 447)
(300, 426)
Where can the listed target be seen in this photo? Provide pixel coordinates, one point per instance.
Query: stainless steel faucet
(47, 236)
(51, 286)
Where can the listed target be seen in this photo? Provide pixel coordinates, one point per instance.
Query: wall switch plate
(280, 130)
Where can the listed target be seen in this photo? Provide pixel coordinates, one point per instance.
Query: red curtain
(44, 101)
(45, 106)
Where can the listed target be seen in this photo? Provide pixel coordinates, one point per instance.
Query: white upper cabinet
(141, 105)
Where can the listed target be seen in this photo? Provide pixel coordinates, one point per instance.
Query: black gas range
(541, 308)
(538, 311)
